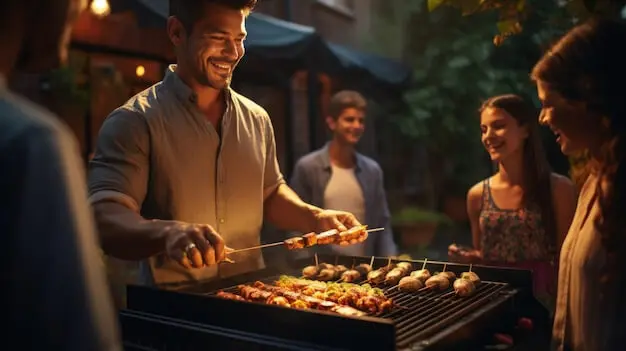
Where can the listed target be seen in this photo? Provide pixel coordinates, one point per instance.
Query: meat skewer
(422, 274)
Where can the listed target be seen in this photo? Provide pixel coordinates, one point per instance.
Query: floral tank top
(517, 238)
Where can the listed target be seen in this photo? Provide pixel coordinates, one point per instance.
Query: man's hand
(193, 245)
(342, 221)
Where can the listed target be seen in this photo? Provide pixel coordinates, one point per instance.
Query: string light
(100, 8)
(140, 71)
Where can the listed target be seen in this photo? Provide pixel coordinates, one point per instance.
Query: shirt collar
(325, 158)
(182, 90)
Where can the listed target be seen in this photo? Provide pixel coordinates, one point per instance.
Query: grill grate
(421, 314)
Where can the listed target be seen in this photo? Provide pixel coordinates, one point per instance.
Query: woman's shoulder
(561, 184)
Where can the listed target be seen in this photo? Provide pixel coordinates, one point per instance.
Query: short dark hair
(188, 12)
(346, 99)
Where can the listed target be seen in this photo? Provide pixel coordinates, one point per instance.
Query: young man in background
(338, 177)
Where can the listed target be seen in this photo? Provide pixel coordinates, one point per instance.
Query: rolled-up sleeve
(272, 177)
(120, 166)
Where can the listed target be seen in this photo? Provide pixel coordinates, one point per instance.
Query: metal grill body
(425, 320)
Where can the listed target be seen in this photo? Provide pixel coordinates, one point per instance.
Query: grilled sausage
(326, 274)
(363, 268)
(377, 276)
(450, 275)
(406, 266)
(464, 287)
(339, 270)
(230, 296)
(438, 282)
(394, 276)
(350, 276)
(422, 274)
(471, 276)
(410, 284)
(310, 272)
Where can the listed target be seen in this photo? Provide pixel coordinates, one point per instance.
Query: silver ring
(189, 247)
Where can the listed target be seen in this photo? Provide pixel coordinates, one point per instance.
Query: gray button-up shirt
(55, 293)
(311, 176)
(158, 155)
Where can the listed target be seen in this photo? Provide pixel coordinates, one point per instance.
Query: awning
(294, 46)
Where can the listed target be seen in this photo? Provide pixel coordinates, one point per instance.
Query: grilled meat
(351, 275)
(339, 271)
(229, 296)
(326, 274)
(406, 266)
(310, 272)
(310, 239)
(471, 276)
(394, 276)
(450, 275)
(295, 243)
(464, 287)
(364, 269)
(410, 284)
(438, 282)
(328, 237)
(422, 274)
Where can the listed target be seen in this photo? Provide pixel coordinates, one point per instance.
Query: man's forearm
(287, 211)
(126, 235)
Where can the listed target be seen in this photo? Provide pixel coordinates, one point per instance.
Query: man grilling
(189, 158)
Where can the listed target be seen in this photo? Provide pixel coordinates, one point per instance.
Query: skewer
(424, 265)
(470, 269)
(283, 243)
(316, 261)
(372, 261)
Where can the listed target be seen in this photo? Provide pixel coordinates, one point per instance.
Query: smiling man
(189, 166)
(338, 177)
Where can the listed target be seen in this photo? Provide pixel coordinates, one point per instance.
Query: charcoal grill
(425, 321)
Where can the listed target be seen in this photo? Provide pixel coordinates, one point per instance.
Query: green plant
(416, 215)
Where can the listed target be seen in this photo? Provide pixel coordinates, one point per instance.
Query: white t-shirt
(344, 193)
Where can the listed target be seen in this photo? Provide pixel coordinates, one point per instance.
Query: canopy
(291, 47)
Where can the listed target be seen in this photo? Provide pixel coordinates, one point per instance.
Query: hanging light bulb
(140, 71)
(100, 8)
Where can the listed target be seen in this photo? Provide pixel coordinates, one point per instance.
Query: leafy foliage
(512, 14)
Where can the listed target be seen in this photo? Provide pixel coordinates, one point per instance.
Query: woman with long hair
(581, 83)
(515, 218)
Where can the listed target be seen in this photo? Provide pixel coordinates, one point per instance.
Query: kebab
(313, 302)
(362, 297)
(440, 281)
(290, 299)
(466, 286)
(422, 274)
(332, 236)
(401, 269)
(378, 276)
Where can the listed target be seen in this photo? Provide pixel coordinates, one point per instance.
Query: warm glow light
(140, 71)
(100, 7)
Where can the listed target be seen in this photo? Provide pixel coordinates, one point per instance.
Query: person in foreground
(580, 82)
(190, 158)
(337, 176)
(55, 294)
(520, 215)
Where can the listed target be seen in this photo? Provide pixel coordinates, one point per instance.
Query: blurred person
(520, 215)
(55, 295)
(338, 177)
(189, 165)
(580, 82)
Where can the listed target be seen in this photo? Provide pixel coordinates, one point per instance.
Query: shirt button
(222, 220)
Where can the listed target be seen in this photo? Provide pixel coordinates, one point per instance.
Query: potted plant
(417, 226)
